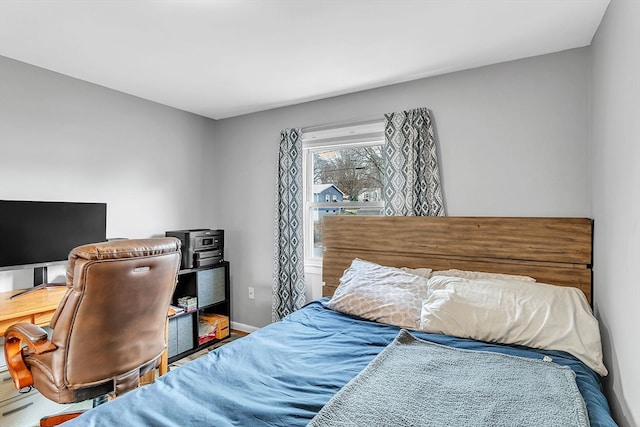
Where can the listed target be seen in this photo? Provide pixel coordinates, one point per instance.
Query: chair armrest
(15, 338)
(32, 333)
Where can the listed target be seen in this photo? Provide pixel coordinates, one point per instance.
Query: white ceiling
(222, 58)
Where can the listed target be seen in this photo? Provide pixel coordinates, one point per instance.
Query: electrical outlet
(252, 293)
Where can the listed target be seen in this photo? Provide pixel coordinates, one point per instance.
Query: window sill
(313, 264)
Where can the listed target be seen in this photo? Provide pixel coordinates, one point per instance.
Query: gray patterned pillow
(379, 293)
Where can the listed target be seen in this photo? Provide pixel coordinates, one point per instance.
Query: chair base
(54, 420)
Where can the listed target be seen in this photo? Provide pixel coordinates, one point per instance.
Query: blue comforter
(284, 373)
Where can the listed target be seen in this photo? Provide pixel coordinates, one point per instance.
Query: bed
(323, 365)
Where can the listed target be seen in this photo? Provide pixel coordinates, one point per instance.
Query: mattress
(284, 373)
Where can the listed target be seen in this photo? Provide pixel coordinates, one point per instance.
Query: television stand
(35, 288)
(39, 282)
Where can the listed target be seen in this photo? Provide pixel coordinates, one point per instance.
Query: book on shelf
(188, 303)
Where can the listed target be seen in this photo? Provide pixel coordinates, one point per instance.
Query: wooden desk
(36, 307)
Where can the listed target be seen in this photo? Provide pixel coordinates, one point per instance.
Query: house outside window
(343, 172)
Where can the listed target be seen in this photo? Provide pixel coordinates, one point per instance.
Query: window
(344, 167)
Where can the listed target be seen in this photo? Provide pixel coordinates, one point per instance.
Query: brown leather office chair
(110, 327)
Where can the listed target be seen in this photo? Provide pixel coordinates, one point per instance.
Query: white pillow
(480, 275)
(532, 314)
(382, 294)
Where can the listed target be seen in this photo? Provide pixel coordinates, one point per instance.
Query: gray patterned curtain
(288, 262)
(412, 177)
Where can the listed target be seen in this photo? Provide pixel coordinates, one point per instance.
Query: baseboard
(243, 328)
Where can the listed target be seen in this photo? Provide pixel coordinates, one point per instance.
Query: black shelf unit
(211, 286)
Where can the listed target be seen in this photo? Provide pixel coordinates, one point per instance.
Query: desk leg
(163, 368)
(148, 378)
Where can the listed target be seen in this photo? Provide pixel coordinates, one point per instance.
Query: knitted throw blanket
(413, 382)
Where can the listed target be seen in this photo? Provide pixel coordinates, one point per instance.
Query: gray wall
(63, 139)
(615, 200)
(513, 141)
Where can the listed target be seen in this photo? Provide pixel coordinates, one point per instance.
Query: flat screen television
(38, 234)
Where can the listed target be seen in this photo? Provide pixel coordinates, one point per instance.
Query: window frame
(344, 137)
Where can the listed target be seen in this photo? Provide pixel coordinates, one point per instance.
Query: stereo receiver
(200, 247)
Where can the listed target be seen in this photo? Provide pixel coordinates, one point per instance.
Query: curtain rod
(353, 122)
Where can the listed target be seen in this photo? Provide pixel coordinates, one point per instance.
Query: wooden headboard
(551, 250)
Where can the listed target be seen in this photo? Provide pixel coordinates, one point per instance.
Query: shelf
(210, 285)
